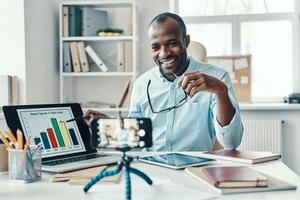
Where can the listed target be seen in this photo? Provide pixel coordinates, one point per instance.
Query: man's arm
(227, 121)
(196, 81)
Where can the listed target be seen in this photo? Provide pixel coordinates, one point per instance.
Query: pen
(82, 117)
(20, 139)
(78, 118)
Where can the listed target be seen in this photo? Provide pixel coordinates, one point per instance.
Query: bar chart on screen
(48, 127)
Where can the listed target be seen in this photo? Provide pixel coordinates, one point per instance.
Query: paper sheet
(161, 189)
(226, 64)
(241, 63)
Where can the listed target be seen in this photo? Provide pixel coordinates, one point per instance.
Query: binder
(5, 90)
(65, 21)
(120, 57)
(123, 94)
(93, 20)
(128, 57)
(82, 57)
(75, 21)
(75, 57)
(96, 58)
(67, 67)
(14, 90)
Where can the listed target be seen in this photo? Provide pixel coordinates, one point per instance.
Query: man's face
(168, 47)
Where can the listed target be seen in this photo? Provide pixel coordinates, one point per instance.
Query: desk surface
(46, 190)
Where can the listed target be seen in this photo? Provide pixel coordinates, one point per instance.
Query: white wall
(29, 47)
(41, 34)
(12, 40)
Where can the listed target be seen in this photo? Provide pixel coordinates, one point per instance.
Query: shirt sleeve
(135, 110)
(229, 136)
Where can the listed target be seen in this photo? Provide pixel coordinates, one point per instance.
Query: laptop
(66, 146)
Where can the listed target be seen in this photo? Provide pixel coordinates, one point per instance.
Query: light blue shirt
(194, 125)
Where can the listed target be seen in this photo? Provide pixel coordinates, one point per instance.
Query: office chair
(198, 52)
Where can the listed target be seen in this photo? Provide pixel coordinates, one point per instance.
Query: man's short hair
(163, 16)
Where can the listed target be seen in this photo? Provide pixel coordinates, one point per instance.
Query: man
(189, 103)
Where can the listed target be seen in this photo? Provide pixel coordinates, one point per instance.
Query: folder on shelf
(75, 57)
(65, 12)
(82, 57)
(67, 65)
(93, 20)
(120, 57)
(128, 96)
(96, 58)
(14, 90)
(123, 94)
(128, 57)
(5, 90)
(75, 21)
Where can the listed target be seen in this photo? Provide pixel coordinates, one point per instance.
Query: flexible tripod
(126, 160)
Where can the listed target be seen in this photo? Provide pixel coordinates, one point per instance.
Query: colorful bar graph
(64, 132)
(37, 140)
(73, 136)
(57, 132)
(52, 138)
(45, 140)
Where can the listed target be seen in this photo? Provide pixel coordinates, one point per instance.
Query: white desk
(46, 190)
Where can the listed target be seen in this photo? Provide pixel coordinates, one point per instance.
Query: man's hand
(89, 115)
(195, 82)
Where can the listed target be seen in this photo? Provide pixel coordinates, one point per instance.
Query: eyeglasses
(180, 103)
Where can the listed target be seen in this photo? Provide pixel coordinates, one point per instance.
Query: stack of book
(81, 177)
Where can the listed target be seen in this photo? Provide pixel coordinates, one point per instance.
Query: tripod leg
(101, 175)
(127, 185)
(141, 174)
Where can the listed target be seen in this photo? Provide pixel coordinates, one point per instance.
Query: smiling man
(190, 103)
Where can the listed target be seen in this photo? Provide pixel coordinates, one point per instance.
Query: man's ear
(187, 41)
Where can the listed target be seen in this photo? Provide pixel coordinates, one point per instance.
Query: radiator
(262, 135)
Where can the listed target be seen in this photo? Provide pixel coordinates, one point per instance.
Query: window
(266, 29)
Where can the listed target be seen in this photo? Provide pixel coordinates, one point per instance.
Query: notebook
(273, 184)
(66, 146)
(231, 177)
(249, 157)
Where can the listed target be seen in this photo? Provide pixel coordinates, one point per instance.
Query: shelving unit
(95, 85)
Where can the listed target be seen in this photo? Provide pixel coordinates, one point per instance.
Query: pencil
(20, 139)
(4, 140)
(27, 142)
(11, 137)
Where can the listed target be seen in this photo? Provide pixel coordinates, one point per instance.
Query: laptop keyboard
(74, 159)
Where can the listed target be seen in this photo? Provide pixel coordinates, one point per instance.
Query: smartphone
(121, 132)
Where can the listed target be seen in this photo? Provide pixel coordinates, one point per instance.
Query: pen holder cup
(3, 159)
(24, 165)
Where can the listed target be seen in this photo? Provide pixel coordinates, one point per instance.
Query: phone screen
(113, 133)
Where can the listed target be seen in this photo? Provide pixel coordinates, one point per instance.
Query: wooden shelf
(71, 74)
(97, 38)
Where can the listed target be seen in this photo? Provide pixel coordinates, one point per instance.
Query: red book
(228, 177)
(250, 157)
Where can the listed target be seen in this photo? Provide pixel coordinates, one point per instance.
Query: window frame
(237, 20)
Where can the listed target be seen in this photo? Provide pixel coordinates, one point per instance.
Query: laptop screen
(48, 127)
